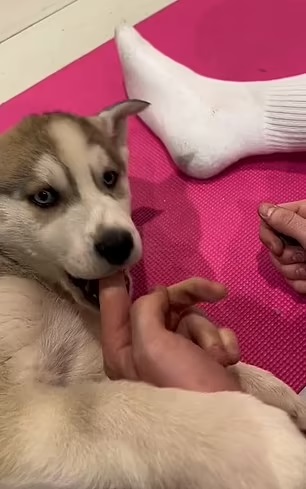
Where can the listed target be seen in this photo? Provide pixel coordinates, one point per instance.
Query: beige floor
(38, 37)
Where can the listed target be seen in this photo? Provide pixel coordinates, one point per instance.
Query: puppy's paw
(272, 391)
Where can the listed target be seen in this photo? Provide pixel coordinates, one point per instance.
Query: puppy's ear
(114, 119)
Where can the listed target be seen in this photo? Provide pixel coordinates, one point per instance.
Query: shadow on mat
(171, 231)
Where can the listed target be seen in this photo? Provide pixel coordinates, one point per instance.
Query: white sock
(209, 124)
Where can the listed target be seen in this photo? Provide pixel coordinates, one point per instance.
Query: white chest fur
(46, 338)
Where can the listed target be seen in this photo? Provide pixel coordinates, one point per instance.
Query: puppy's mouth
(90, 288)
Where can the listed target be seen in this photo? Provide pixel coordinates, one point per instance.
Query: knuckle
(217, 352)
(297, 257)
(288, 273)
(292, 256)
(145, 301)
(300, 272)
(211, 340)
(288, 219)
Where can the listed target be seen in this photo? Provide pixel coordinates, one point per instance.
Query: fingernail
(265, 210)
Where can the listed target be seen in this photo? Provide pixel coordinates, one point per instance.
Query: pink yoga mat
(206, 228)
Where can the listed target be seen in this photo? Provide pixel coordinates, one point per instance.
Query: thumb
(284, 221)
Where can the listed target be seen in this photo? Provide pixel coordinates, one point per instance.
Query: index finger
(114, 311)
(149, 314)
(193, 291)
(285, 221)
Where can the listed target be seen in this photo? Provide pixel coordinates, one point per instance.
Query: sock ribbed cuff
(285, 117)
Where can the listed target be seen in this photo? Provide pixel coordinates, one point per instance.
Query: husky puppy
(64, 223)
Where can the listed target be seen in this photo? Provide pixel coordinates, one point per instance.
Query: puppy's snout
(115, 246)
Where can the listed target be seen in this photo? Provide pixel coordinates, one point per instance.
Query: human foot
(208, 124)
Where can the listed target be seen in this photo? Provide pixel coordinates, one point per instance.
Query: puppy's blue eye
(45, 198)
(110, 178)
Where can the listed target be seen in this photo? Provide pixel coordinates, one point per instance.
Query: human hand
(289, 258)
(161, 339)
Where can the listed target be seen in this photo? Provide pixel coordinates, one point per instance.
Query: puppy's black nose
(116, 246)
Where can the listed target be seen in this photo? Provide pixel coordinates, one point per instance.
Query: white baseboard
(51, 44)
